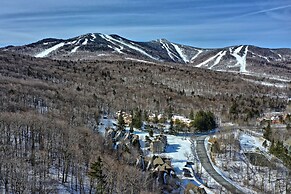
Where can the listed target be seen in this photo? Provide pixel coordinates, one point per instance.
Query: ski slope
(166, 46)
(195, 56)
(85, 42)
(108, 37)
(211, 59)
(221, 54)
(180, 52)
(75, 49)
(48, 51)
(241, 60)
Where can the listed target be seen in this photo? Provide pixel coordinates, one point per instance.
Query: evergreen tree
(170, 112)
(145, 116)
(96, 172)
(234, 110)
(204, 121)
(272, 147)
(156, 119)
(121, 122)
(265, 144)
(137, 119)
(268, 132)
(172, 128)
(151, 132)
(191, 115)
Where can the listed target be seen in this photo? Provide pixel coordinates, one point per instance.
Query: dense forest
(49, 111)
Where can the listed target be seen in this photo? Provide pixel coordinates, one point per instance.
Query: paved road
(202, 155)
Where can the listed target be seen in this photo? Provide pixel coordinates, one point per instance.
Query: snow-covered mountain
(92, 46)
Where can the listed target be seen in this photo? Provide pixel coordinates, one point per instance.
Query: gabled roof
(166, 166)
(160, 169)
(158, 161)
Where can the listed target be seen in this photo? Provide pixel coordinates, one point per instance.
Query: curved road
(203, 157)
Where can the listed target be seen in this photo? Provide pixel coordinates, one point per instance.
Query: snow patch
(48, 51)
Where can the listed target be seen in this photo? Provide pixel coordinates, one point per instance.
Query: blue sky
(200, 23)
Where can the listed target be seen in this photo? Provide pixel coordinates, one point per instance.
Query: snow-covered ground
(178, 149)
(237, 167)
(252, 144)
(223, 174)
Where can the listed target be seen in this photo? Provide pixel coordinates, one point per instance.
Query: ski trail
(106, 37)
(241, 60)
(93, 36)
(243, 65)
(266, 58)
(75, 49)
(208, 60)
(180, 52)
(48, 51)
(131, 46)
(195, 56)
(171, 55)
(221, 54)
(85, 42)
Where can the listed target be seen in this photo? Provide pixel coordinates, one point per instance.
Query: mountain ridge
(94, 46)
